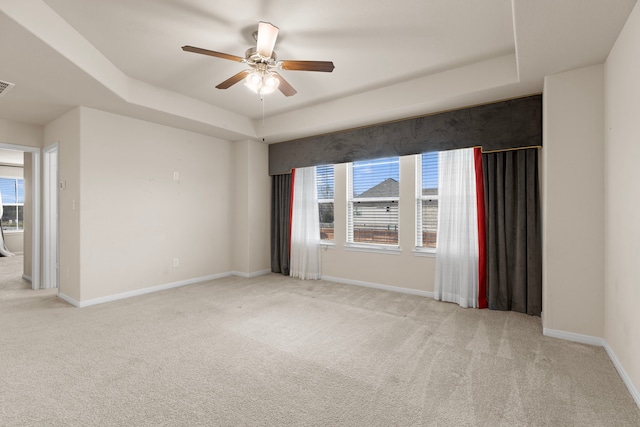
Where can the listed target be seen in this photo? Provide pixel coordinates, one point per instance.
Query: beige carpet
(274, 351)
(12, 285)
(11, 274)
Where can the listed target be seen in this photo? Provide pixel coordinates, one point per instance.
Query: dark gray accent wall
(498, 126)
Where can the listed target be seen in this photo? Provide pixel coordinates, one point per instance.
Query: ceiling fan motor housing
(253, 57)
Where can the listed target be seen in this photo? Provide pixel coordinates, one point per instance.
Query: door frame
(50, 237)
(35, 214)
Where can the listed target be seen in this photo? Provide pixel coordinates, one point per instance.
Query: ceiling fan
(262, 77)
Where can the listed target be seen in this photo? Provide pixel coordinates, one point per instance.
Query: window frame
(350, 244)
(326, 200)
(17, 205)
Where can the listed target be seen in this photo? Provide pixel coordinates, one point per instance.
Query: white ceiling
(393, 59)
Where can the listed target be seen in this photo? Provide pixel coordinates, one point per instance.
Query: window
(373, 196)
(324, 181)
(427, 200)
(12, 190)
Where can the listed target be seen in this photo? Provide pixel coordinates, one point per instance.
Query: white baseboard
(249, 275)
(571, 336)
(157, 288)
(588, 339)
(378, 286)
(27, 278)
(623, 374)
(68, 299)
(143, 291)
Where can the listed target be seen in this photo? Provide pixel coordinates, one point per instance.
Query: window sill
(326, 244)
(378, 249)
(425, 252)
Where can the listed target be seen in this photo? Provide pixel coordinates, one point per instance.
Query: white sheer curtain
(3, 247)
(305, 226)
(457, 248)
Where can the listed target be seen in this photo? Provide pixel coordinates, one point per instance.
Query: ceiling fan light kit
(262, 77)
(262, 82)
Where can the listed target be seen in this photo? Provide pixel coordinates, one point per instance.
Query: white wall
(11, 157)
(124, 218)
(240, 202)
(20, 133)
(622, 201)
(135, 219)
(11, 171)
(404, 270)
(572, 201)
(251, 208)
(259, 190)
(66, 131)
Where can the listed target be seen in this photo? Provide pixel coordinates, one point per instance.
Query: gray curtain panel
(280, 223)
(514, 241)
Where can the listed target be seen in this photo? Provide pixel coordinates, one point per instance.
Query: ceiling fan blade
(212, 53)
(325, 66)
(284, 86)
(267, 35)
(233, 79)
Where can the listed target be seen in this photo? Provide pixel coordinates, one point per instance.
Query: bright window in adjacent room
(427, 201)
(12, 190)
(324, 181)
(373, 195)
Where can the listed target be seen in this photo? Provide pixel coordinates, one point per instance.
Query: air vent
(5, 87)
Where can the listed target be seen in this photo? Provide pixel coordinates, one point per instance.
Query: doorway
(34, 274)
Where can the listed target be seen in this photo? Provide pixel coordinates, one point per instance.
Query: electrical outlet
(176, 263)
(176, 176)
